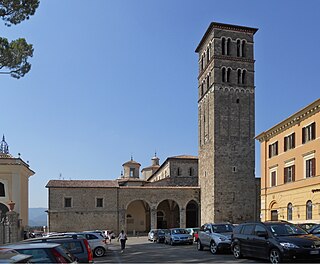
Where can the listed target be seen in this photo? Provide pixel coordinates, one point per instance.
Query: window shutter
(285, 175)
(313, 130)
(313, 167)
(285, 143)
(303, 135)
(293, 140)
(293, 172)
(269, 151)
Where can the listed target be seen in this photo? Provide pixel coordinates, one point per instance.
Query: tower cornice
(225, 27)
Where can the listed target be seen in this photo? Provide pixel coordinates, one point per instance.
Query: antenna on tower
(60, 176)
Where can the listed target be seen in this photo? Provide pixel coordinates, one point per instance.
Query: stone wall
(84, 215)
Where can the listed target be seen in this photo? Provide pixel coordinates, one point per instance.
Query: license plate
(314, 252)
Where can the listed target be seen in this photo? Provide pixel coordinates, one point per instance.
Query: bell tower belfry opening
(226, 126)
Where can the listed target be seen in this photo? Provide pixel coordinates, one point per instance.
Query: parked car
(193, 231)
(215, 236)
(306, 226)
(276, 241)
(196, 237)
(43, 252)
(178, 236)
(156, 235)
(77, 245)
(97, 242)
(13, 256)
(315, 230)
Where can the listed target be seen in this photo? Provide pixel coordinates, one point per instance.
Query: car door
(245, 239)
(260, 244)
(206, 235)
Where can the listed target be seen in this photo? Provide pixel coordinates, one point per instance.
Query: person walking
(123, 238)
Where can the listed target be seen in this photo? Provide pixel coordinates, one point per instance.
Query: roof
(183, 157)
(82, 183)
(224, 26)
(292, 120)
(151, 167)
(131, 162)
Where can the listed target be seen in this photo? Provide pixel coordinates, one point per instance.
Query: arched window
(178, 171)
(243, 81)
(228, 46)
(223, 74)
(208, 82)
(243, 48)
(228, 74)
(208, 55)
(2, 191)
(201, 89)
(223, 46)
(239, 76)
(289, 212)
(309, 210)
(190, 171)
(238, 47)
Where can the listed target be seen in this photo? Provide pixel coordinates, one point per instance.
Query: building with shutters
(290, 168)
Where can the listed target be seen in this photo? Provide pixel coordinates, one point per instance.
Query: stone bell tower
(226, 124)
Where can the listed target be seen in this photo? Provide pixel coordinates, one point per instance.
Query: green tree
(14, 55)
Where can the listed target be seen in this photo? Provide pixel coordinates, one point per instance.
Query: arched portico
(192, 214)
(170, 214)
(137, 217)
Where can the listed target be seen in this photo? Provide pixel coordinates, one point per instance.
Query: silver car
(215, 236)
(97, 242)
(178, 236)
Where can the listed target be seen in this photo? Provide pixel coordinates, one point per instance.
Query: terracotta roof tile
(82, 183)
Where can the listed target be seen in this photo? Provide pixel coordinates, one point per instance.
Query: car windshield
(222, 228)
(179, 231)
(286, 230)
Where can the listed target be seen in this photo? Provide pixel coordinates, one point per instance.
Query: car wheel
(99, 251)
(213, 247)
(275, 256)
(237, 251)
(199, 245)
(171, 242)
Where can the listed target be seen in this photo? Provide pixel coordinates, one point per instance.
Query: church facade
(129, 202)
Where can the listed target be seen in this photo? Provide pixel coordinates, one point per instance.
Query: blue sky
(115, 78)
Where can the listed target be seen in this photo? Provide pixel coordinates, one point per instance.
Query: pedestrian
(123, 238)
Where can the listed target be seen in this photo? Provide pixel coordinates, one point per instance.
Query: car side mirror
(262, 234)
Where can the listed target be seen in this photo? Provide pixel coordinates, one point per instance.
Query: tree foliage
(14, 55)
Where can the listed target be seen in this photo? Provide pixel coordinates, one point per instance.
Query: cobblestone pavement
(140, 250)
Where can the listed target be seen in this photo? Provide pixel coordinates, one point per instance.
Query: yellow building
(290, 156)
(14, 184)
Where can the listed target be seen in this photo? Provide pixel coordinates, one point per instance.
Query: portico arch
(170, 214)
(192, 214)
(138, 216)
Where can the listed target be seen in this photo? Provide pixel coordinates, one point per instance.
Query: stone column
(153, 217)
(182, 217)
(13, 228)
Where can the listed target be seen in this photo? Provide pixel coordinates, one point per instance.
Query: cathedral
(184, 191)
